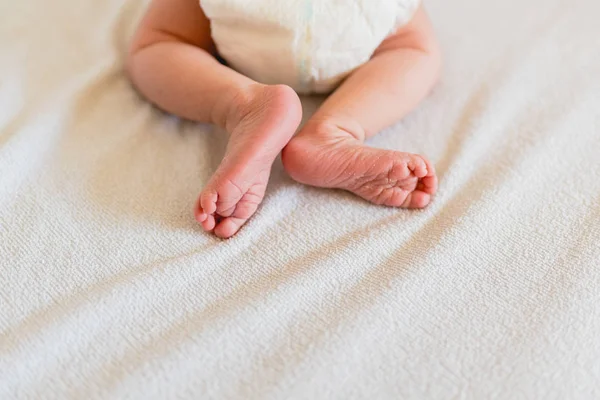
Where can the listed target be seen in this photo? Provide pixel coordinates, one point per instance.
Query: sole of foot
(264, 120)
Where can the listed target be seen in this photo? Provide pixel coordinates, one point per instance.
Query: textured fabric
(108, 289)
(310, 45)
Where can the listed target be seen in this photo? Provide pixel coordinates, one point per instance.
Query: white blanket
(108, 288)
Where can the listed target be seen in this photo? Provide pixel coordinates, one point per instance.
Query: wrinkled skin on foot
(262, 125)
(339, 160)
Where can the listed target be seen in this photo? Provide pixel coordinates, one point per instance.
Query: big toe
(229, 227)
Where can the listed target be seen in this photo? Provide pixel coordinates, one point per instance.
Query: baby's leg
(329, 150)
(170, 62)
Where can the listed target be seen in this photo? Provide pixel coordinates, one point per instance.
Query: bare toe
(209, 223)
(208, 201)
(229, 227)
(417, 166)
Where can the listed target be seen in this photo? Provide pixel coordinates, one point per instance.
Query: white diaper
(310, 45)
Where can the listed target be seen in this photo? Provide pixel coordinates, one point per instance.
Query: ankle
(238, 102)
(333, 128)
(233, 104)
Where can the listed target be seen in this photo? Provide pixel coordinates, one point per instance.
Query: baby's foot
(332, 158)
(260, 127)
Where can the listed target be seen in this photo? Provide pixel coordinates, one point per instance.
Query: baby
(380, 56)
